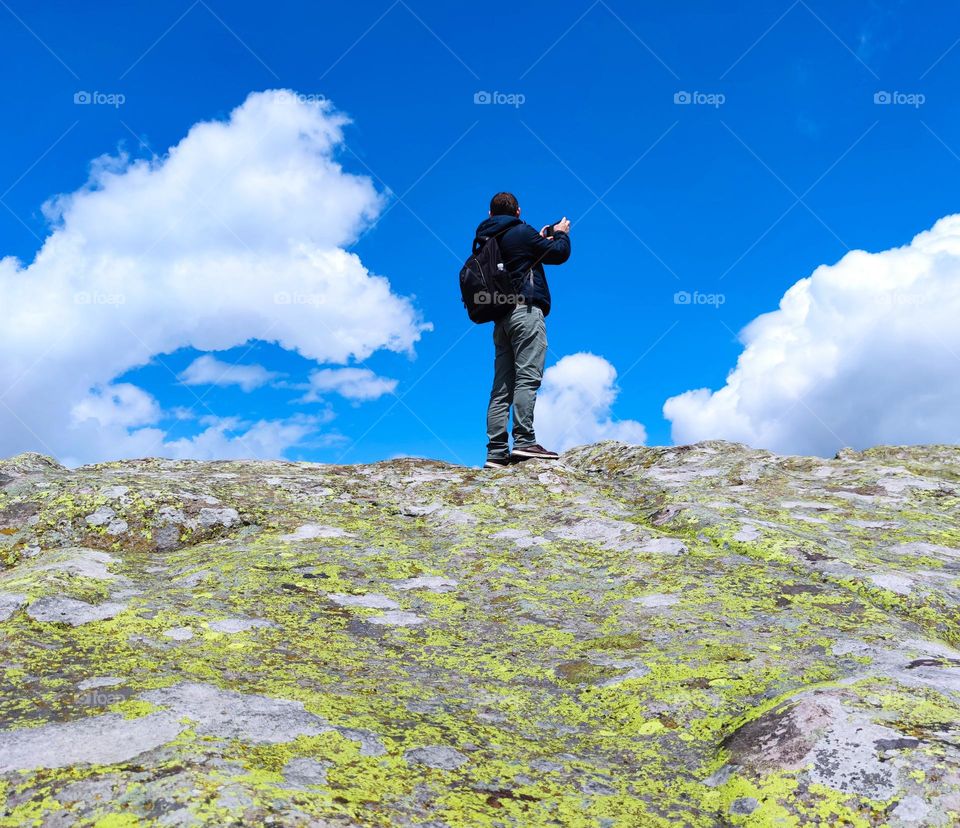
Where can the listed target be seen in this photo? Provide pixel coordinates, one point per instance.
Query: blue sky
(783, 162)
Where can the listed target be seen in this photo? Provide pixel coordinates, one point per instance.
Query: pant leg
(501, 395)
(529, 339)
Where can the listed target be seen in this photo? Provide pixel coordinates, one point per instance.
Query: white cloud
(234, 439)
(224, 438)
(575, 402)
(236, 233)
(353, 383)
(863, 352)
(208, 370)
(120, 404)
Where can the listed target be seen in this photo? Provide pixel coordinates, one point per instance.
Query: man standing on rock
(520, 338)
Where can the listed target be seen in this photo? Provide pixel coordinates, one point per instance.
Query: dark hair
(504, 204)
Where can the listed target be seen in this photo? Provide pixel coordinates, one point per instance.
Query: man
(520, 338)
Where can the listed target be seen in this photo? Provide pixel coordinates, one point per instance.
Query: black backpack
(486, 286)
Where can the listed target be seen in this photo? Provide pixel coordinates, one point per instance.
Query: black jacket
(525, 252)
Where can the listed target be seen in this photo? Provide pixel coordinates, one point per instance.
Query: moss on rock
(699, 635)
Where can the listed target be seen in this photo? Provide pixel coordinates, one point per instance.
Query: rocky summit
(703, 635)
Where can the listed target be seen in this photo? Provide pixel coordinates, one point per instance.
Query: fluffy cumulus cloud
(118, 404)
(358, 384)
(232, 438)
(208, 370)
(575, 403)
(236, 233)
(863, 352)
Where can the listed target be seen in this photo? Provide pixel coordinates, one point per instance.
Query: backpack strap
(480, 241)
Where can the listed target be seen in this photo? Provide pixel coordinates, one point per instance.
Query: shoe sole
(523, 456)
(496, 465)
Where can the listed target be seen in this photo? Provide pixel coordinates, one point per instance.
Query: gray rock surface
(100, 740)
(698, 635)
(54, 609)
(232, 715)
(436, 756)
(9, 603)
(305, 772)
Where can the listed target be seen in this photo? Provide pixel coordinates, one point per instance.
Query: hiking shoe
(534, 452)
(496, 463)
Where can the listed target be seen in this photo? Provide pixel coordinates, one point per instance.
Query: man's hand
(562, 226)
